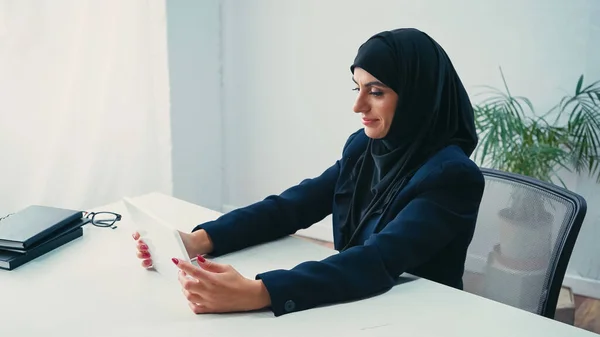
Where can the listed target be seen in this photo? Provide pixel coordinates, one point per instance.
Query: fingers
(195, 272)
(197, 308)
(193, 290)
(212, 266)
(195, 300)
(191, 297)
(199, 287)
(144, 254)
(142, 246)
(147, 263)
(142, 251)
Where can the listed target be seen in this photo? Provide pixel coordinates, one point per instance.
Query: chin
(374, 133)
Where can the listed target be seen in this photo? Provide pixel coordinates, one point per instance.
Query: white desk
(94, 286)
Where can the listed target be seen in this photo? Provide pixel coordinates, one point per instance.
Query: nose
(360, 104)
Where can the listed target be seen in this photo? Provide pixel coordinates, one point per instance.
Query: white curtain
(84, 102)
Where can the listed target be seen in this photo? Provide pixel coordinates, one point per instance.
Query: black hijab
(433, 112)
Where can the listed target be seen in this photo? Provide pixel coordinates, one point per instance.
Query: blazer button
(289, 305)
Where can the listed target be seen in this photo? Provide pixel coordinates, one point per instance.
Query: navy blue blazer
(426, 232)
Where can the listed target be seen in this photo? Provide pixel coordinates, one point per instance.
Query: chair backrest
(523, 241)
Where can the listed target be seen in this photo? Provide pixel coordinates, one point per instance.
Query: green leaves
(514, 138)
(584, 126)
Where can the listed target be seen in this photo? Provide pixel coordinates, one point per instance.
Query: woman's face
(376, 102)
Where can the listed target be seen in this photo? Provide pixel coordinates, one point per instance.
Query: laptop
(163, 240)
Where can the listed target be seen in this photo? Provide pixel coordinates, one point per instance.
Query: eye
(376, 93)
(356, 89)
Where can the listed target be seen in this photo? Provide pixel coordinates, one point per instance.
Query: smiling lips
(369, 121)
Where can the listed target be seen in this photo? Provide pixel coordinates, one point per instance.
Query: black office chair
(525, 234)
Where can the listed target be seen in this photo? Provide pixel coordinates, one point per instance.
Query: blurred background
(223, 102)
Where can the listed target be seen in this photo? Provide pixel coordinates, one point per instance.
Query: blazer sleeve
(447, 201)
(277, 215)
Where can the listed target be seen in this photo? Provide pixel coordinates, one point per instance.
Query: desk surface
(94, 286)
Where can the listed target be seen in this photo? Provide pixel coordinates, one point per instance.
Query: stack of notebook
(35, 231)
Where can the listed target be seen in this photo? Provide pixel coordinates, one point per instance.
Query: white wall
(193, 31)
(287, 84)
(84, 102)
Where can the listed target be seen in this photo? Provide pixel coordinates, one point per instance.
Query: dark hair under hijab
(433, 112)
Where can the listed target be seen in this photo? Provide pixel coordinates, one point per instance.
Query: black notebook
(33, 224)
(67, 228)
(10, 260)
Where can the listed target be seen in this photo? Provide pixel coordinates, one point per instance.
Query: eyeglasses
(103, 219)
(6, 216)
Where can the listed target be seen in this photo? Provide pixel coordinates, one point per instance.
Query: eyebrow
(372, 83)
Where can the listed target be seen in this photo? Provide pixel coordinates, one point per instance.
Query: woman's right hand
(196, 243)
(143, 251)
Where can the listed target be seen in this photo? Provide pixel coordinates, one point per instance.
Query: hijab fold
(433, 112)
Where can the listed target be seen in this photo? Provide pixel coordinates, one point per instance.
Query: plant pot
(517, 283)
(526, 234)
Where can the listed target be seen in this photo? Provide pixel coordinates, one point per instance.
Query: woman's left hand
(218, 288)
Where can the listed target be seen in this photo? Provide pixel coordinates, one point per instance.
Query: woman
(404, 195)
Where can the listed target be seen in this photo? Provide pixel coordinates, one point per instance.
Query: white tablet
(163, 240)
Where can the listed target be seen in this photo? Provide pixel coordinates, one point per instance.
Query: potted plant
(515, 138)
